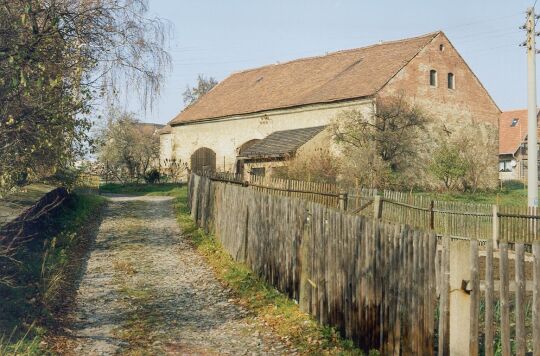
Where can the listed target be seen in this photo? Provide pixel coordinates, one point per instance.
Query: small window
(441, 47)
(451, 81)
(514, 122)
(505, 166)
(433, 78)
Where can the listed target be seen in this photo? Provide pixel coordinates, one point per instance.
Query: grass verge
(511, 193)
(275, 309)
(146, 189)
(45, 271)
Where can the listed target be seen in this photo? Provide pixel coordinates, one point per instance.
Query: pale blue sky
(218, 37)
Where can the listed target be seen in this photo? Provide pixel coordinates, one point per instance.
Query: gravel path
(147, 291)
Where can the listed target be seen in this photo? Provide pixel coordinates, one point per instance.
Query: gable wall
(468, 101)
(225, 136)
(455, 108)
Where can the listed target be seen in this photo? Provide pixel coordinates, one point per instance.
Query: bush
(64, 177)
(152, 176)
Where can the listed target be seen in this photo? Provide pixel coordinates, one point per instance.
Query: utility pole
(532, 140)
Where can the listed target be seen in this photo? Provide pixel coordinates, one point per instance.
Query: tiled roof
(510, 137)
(165, 130)
(343, 75)
(281, 143)
(148, 127)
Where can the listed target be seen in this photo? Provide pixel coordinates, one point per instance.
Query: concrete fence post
(460, 299)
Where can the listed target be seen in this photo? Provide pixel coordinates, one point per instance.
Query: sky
(218, 37)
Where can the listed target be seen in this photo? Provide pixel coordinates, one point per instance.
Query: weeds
(49, 265)
(124, 266)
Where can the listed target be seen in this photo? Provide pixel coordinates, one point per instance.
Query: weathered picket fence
(374, 281)
(457, 219)
(383, 285)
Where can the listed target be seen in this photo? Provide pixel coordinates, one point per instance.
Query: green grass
(138, 189)
(510, 194)
(43, 276)
(276, 309)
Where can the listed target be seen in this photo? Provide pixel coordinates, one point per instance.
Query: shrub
(152, 176)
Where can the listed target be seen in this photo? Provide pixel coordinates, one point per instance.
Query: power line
(483, 21)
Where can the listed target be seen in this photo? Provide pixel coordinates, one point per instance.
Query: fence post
(304, 297)
(432, 215)
(496, 231)
(460, 300)
(377, 207)
(343, 196)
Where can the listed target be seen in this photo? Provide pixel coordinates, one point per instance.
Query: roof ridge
(430, 34)
(300, 128)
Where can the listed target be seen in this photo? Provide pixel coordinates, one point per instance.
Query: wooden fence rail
(460, 220)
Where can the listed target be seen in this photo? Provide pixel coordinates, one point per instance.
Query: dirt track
(146, 290)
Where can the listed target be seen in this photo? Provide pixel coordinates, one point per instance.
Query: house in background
(214, 132)
(513, 145)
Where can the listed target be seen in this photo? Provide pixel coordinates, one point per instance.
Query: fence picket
(504, 299)
(488, 344)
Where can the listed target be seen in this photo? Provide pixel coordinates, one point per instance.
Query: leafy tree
(57, 57)
(203, 86)
(127, 149)
(466, 157)
(449, 166)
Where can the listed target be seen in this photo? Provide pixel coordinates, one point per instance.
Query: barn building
(216, 131)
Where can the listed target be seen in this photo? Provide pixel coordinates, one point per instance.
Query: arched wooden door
(203, 160)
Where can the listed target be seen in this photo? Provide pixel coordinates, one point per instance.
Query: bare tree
(319, 165)
(387, 141)
(204, 85)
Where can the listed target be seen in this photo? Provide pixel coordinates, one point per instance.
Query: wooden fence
(383, 285)
(495, 295)
(348, 271)
(457, 219)
(446, 218)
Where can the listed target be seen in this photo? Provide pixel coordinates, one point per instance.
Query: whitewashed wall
(225, 136)
(165, 148)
